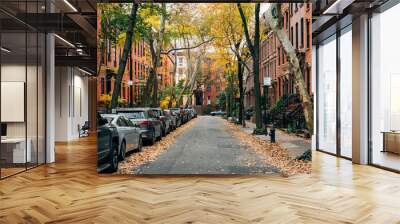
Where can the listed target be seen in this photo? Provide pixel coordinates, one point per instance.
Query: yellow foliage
(165, 102)
(105, 98)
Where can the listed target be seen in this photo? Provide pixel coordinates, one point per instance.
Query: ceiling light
(64, 40)
(337, 7)
(5, 50)
(70, 5)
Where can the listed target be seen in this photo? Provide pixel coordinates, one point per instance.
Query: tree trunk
(275, 24)
(160, 42)
(241, 100)
(255, 54)
(173, 94)
(122, 63)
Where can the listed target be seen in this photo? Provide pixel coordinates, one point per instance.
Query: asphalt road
(207, 147)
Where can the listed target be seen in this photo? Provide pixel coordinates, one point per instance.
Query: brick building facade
(136, 71)
(214, 82)
(273, 60)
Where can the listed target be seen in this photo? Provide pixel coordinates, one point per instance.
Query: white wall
(71, 103)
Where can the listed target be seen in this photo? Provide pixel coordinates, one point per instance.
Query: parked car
(146, 120)
(218, 113)
(177, 113)
(165, 121)
(189, 114)
(129, 134)
(185, 115)
(193, 112)
(248, 113)
(107, 146)
(174, 118)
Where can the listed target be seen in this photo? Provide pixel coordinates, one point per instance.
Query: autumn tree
(192, 36)
(126, 51)
(152, 29)
(253, 44)
(273, 18)
(230, 34)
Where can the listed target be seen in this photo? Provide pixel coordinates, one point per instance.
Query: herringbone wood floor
(70, 191)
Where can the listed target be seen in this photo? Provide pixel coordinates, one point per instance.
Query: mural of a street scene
(211, 88)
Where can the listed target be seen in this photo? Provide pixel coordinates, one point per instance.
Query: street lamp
(267, 84)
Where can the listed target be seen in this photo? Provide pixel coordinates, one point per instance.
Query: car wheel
(140, 145)
(153, 137)
(163, 133)
(114, 159)
(123, 152)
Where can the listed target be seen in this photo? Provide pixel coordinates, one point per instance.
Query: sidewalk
(295, 145)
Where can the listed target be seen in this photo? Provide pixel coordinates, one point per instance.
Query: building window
(102, 85)
(308, 30)
(297, 35)
(108, 86)
(287, 20)
(302, 33)
(279, 56)
(385, 88)
(291, 34)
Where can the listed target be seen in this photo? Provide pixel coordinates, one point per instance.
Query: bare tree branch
(188, 48)
(246, 30)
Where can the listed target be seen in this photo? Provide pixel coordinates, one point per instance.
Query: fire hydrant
(272, 134)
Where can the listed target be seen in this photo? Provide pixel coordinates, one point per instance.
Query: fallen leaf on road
(272, 153)
(150, 153)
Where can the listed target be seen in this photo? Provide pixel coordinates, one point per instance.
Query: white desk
(17, 145)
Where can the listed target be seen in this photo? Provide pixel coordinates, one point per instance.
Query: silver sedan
(129, 134)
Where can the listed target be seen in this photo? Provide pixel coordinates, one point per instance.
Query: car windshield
(109, 118)
(157, 112)
(135, 115)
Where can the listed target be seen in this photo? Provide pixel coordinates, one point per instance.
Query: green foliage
(221, 101)
(278, 105)
(166, 92)
(207, 110)
(307, 156)
(291, 127)
(114, 20)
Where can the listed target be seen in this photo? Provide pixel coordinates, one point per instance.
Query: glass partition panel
(41, 99)
(385, 89)
(14, 153)
(346, 92)
(327, 95)
(32, 98)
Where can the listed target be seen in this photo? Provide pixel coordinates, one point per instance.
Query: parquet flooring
(70, 191)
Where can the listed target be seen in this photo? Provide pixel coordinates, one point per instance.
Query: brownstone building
(165, 72)
(134, 78)
(136, 71)
(214, 82)
(273, 60)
